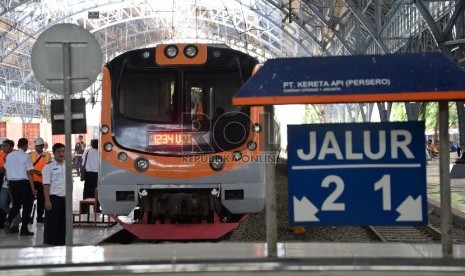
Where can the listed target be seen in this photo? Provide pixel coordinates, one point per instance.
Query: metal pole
(67, 113)
(271, 225)
(446, 220)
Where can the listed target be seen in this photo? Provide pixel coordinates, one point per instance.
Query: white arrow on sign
(304, 210)
(410, 210)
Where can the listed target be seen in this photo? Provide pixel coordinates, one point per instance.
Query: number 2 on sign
(385, 185)
(330, 203)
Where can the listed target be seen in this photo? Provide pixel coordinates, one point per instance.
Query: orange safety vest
(2, 164)
(2, 159)
(200, 111)
(40, 165)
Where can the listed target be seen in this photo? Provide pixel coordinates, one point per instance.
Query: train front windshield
(178, 97)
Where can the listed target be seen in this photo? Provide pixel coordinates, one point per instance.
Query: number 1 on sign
(385, 184)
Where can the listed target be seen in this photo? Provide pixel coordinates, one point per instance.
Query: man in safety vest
(39, 158)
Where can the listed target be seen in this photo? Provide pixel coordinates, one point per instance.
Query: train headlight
(141, 164)
(108, 147)
(237, 155)
(104, 129)
(191, 51)
(256, 128)
(217, 163)
(122, 156)
(171, 51)
(146, 54)
(251, 145)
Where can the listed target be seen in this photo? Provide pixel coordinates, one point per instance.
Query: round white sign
(85, 58)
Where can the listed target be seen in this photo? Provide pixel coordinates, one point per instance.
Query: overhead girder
(92, 4)
(367, 24)
(266, 28)
(441, 34)
(7, 6)
(446, 34)
(261, 35)
(271, 36)
(330, 27)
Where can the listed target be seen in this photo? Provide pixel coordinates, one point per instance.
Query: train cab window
(147, 97)
(195, 102)
(207, 94)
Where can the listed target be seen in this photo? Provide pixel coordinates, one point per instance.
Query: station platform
(85, 234)
(457, 184)
(27, 255)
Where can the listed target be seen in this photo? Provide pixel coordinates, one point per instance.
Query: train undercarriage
(175, 215)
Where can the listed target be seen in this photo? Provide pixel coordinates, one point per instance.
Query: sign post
(355, 79)
(446, 209)
(67, 108)
(67, 59)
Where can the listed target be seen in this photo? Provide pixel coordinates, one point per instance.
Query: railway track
(406, 234)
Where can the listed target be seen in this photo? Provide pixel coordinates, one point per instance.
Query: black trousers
(40, 199)
(55, 222)
(21, 194)
(78, 163)
(90, 183)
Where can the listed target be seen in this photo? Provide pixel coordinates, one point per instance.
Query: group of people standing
(37, 175)
(24, 178)
(432, 150)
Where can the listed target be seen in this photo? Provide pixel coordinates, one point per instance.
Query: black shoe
(14, 229)
(7, 227)
(26, 233)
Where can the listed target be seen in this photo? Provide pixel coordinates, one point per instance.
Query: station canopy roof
(263, 28)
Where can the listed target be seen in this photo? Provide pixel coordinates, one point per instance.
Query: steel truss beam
(266, 29)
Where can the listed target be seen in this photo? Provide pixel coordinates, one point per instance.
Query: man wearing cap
(39, 158)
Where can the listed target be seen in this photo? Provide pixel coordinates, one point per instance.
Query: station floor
(27, 255)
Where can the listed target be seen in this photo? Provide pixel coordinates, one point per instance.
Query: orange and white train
(173, 148)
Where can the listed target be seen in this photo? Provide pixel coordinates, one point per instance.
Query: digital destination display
(170, 138)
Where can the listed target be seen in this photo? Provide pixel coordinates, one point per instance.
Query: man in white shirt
(90, 157)
(19, 174)
(54, 181)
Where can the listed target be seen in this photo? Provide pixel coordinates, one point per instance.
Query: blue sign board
(360, 78)
(357, 174)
